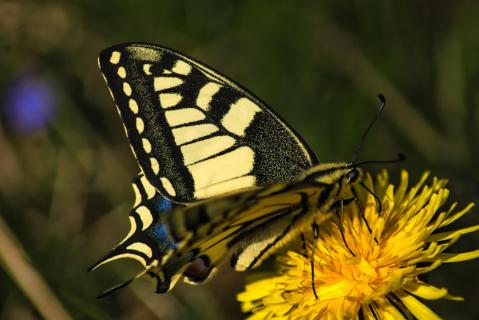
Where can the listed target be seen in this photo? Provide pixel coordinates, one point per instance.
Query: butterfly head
(354, 175)
(340, 173)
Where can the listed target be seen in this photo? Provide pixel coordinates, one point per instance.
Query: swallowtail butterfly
(221, 174)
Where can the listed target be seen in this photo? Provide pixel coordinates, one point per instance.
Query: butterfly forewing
(195, 133)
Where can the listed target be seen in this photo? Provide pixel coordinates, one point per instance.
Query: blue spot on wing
(159, 231)
(163, 204)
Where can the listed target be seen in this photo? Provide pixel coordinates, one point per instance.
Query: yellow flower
(374, 273)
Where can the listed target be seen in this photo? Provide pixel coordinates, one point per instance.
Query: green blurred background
(65, 165)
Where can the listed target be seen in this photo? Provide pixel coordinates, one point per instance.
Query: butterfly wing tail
(140, 251)
(121, 285)
(147, 241)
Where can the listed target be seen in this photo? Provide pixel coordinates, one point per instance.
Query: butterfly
(221, 174)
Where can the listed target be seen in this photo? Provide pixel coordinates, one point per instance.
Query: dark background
(65, 165)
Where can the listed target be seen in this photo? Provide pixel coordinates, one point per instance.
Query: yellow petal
(452, 234)
(425, 290)
(390, 312)
(258, 289)
(417, 308)
(427, 269)
(258, 316)
(454, 298)
(457, 257)
(402, 188)
(283, 309)
(457, 215)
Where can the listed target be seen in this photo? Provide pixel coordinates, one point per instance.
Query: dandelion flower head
(368, 265)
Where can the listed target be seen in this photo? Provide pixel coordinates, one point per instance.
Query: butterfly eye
(353, 175)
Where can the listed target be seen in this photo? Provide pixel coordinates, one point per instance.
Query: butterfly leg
(304, 246)
(363, 217)
(340, 205)
(361, 209)
(315, 235)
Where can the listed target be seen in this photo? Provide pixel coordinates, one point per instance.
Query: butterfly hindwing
(147, 241)
(194, 132)
(247, 225)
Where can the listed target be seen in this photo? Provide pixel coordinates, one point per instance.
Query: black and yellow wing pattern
(146, 240)
(173, 241)
(247, 226)
(194, 132)
(221, 174)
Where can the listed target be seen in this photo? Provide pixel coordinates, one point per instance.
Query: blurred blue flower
(29, 104)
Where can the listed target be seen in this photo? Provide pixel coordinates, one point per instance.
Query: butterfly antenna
(380, 110)
(401, 158)
(122, 285)
(341, 226)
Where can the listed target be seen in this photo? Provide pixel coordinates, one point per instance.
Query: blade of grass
(35, 288)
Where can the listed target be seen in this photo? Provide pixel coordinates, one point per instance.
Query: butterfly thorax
(343, 174)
